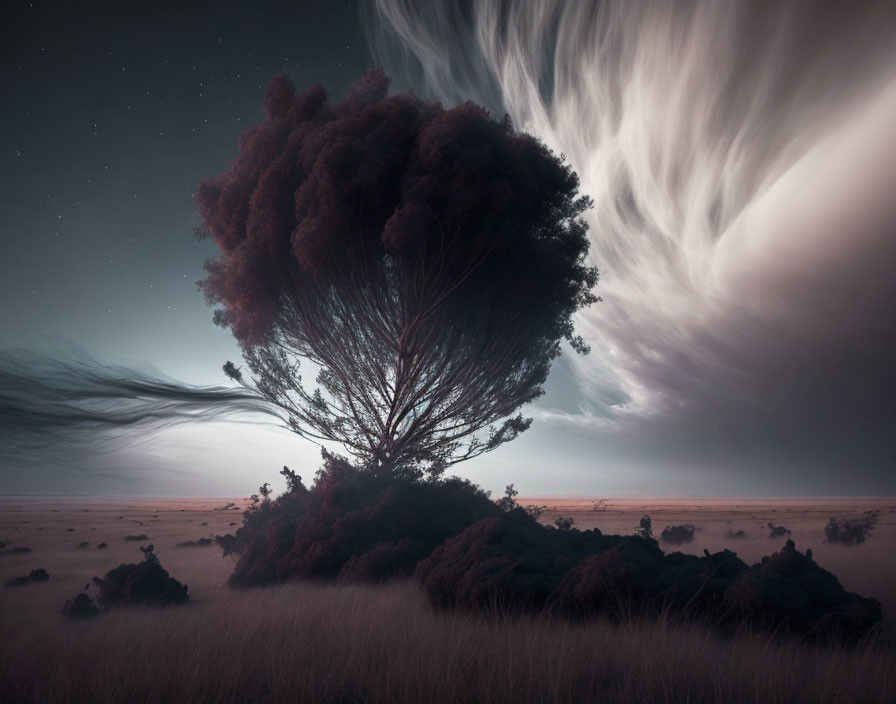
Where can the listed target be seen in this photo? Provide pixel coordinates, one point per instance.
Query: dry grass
(325, 643)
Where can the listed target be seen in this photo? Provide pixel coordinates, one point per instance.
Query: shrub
(564, 522)
(735, 534)
(508, 501)
(144, 583)
(534, 511)
(136, 538)
(645, 527)
(777, 531)
(678, 534)
(511, 563)
(80, 607)
(469, 552)
(351, 524)
(36, 575)
(851, 530)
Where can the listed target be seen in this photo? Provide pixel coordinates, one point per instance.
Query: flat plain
(322, 642)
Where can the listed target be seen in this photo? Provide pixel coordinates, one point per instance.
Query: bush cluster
(678, 534)
(144, 583)
(851, 530)
(351, 525)
(512, 563)
(469, 552)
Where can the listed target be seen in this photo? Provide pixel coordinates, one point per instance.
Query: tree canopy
(427, 262)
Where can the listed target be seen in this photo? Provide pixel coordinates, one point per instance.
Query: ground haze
(359, 643)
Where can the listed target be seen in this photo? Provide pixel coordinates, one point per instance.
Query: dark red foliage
(351, 525)
(315, 181)
(789, 589)
(512, 563)
(506, 561)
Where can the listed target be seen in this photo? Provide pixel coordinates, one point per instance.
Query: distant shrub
(678, 535)
(508, 501)
(102, 546)
(83, 545)
(136, 538)
(564, 522)
(777, 531)
(731, 534)
(645, 527)
(228, 543)
(37, 575)
(143, 583)
(851, 530)
(534, 511)
(81, 607)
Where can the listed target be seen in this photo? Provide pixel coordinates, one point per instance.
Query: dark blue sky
(114, 113)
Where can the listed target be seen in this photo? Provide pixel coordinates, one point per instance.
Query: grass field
(307, 642)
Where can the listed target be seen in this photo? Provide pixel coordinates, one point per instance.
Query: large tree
(426, 262)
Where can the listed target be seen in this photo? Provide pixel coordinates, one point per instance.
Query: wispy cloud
(741, 160)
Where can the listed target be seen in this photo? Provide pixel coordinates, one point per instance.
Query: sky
(740, 158)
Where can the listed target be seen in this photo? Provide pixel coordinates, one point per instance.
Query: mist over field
(315, 642)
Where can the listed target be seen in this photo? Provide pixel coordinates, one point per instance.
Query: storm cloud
(742, 161)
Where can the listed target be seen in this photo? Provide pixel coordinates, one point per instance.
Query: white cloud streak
(742, 161)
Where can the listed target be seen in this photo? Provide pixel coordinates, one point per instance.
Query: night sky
(114, 114)
(744, 225)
